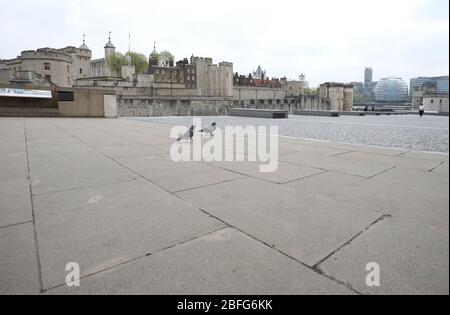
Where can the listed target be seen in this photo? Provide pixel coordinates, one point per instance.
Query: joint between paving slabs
(36, 243)
(379, 220)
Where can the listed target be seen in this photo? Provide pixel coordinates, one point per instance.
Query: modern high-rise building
(439, 84)
(368, 77)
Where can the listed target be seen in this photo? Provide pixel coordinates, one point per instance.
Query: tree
(165, 58)
(311, 91)
(117, 61)
(140, 62)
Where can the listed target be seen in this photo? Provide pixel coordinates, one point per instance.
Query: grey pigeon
(188, 135)
(210, 130)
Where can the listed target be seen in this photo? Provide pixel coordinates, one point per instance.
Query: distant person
(421, 110)
(366, 109)
(373, 108)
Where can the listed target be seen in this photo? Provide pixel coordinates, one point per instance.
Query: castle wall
(65, 64)
(134, 106)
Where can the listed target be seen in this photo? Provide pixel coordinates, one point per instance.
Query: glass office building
(440, 84)
(391, 90)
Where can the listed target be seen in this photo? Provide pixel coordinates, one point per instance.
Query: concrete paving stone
(413, 259)
(426, 156)
(58, 152)
(177, 176)
(226, 262)
(132, 150)
(12, 147)
(79, 167)
(13, 166)
(18, 261)
(11, 122)
(54, 142)
(97, 141)
(419, 179)
(352, 167)
(15, 203)
(423, 165)
(309, 149)
(46, 133)
(8, 136)
(345, 146)
(442, 169)
(286, 172)
(304, 226)
(426, 207)
(104, 226)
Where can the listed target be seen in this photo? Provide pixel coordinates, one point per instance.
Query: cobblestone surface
(429, 133)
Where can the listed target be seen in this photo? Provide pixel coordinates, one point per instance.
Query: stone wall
(156, 106)
(144, 106)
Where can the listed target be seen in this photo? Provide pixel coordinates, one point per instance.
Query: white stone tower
(110, 50)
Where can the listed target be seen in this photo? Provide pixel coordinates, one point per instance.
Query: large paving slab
(12, 147)
(226, 262)
(177, 176)
(426, 156)
(15, 202)
(327, 145)
(442, 169)
(415, 178)
(131, 150)
(52, 142)
(70, 167)
(18, 261)
(11, 134)
(405, 162)
(13, 165)
(104, 226)
(291, 147)
(427, 207)
(285, 172)
(46, 133)
(353, 167)
(304, 226)
(413, 259)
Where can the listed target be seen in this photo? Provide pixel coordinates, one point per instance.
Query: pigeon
(210, 130)
(188, 135)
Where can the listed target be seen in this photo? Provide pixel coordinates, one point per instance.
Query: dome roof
(391, 89)
(84, 46)
(109, 44)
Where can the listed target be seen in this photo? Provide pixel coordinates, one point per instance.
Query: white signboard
(25, 93)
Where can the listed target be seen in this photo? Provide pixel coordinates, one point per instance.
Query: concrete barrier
(321, 113)
(87, 103)
(259, 113)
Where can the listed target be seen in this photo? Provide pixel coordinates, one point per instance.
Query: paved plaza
(104, 193)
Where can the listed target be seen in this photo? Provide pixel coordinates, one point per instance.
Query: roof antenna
(129, 42)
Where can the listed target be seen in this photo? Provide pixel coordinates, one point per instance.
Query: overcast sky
(327, 40)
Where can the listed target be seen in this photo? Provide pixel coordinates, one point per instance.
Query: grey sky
(325, 39)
